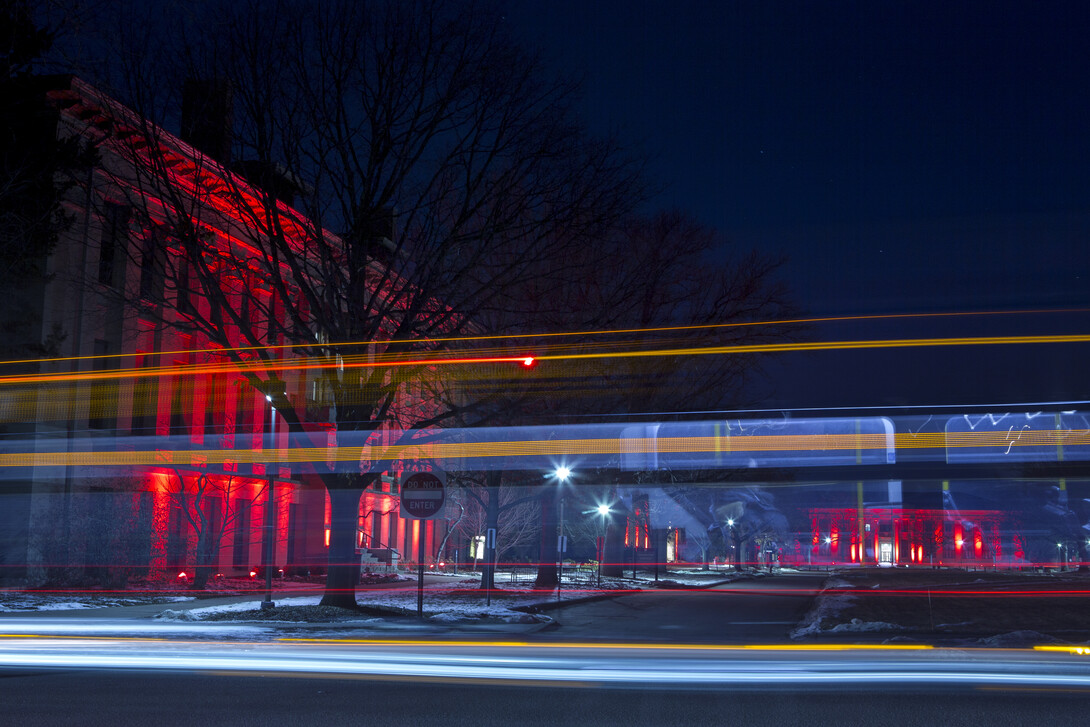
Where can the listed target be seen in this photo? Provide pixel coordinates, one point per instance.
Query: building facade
(131, 372)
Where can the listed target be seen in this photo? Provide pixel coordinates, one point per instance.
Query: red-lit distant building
(895, 536)
(63, 523)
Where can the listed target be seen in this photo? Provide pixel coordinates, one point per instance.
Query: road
(680, 658)
(566, 687)
(761, 611)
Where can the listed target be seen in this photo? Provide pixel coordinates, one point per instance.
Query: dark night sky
(904, 157)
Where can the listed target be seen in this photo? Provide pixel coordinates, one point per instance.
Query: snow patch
(1019, 639)
(858, 625)
(824, 607)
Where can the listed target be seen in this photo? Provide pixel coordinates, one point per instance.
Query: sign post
(422, 498)
(490, 542)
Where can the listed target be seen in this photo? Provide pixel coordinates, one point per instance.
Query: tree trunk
(546, 568)
(492, 520)
(204, 561)
(344, 568)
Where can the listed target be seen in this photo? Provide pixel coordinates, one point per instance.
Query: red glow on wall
(899, 535)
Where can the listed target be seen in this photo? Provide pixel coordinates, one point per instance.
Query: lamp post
(603, 511)
(562, 474)
(274, 386)
(734, 555)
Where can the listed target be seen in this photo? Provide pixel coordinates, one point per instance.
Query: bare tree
(636, 310)
(212, 508)
(511, 509)
(357, 111)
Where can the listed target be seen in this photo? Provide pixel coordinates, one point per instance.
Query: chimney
(208, 117)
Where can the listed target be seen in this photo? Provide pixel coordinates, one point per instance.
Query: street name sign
(422, 495)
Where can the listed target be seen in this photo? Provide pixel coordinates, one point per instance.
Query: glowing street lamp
(603, 511)
(561, 474)
(273, 385)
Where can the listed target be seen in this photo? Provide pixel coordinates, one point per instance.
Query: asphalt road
(101, 698)
(551, 678)
(760, 611)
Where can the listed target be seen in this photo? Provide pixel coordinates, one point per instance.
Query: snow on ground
(827, 605)
(20, 602)
(455, 599)
(857, 625)
(460, 599)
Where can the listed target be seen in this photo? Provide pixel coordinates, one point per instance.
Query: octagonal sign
(422, 495)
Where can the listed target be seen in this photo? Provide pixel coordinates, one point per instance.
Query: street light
(274, 385)
(561, 474)
(734, 555)
(603, 511)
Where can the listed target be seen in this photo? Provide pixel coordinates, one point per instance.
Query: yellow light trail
(737, 445)
(534, 336)
(259, 367)
(616, 645)
(830, 346)
(279, 367)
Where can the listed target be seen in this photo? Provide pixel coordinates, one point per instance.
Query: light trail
(575, 663)
(275, 367)
(278, 367)
(608, 332)
(618, 446)
(829, 346)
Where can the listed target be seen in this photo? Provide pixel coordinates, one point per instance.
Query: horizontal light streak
(739, 667)
(565, 334)
(361, 362)
(830, 346)
(557, 447)
(611, 645)
(258, 367)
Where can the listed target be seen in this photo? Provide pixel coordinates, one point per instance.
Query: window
(241, 545)
(184, 298)
(273, 325)
(153, 266)
(181, 404)
(111, 251)
(145, 398)
(104, 394)
(214, 405)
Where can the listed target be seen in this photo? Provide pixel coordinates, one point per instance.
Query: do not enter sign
(422, 495)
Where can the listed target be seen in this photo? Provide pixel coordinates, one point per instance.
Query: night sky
(903, 157)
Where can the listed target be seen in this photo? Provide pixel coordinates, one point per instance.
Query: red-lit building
(107, 271)
(895, 536)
